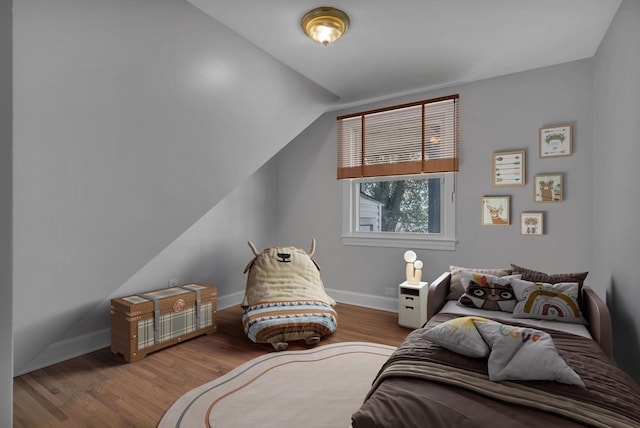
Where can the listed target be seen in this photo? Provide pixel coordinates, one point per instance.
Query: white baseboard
(230, 300)
(66, 349)
(389, 304)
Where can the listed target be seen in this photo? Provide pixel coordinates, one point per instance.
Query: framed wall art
(547, 188)
(531, 224)
(555, 141)
(495, 210)
(508, 169)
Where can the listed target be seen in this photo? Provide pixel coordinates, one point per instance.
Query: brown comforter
(424, 385)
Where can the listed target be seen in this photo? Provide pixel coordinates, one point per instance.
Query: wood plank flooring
(101, 390)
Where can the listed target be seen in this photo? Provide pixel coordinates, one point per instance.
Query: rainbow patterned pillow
(541, 300)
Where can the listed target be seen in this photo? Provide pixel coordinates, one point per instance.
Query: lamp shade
(325, 24)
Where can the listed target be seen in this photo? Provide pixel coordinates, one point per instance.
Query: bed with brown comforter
(424, 385)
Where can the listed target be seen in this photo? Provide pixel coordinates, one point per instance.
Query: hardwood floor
(101, 390)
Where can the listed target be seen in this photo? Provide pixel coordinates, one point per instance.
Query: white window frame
(445, 240)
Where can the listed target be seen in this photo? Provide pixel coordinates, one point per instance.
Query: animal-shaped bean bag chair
(284, 299)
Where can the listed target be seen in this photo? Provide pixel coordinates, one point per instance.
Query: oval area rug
(319, 387)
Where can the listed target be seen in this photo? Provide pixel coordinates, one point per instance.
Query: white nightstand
(412, 304)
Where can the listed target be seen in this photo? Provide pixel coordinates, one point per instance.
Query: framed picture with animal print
(547, 188)
(555, 141)
(508, 169)
(531, 224)
(495, 210)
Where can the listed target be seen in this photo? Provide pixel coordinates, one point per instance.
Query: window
(415, 211)
(398, 166)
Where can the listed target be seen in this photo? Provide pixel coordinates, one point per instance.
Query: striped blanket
(288, 320)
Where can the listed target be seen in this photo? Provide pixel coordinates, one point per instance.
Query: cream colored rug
(319, 387)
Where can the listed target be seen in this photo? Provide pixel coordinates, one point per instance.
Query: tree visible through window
(404, 205)
(399, 168)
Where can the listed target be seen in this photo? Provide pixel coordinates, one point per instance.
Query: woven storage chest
(144, 323)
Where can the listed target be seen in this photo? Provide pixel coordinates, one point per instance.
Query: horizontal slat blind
(408, 139)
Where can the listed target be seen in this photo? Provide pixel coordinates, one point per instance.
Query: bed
(425, 384)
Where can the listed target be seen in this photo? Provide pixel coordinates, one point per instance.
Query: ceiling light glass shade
(325, 24)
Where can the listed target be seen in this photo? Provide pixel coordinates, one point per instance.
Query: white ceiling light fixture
(325, 24)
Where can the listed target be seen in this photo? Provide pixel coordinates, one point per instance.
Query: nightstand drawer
(412, 304)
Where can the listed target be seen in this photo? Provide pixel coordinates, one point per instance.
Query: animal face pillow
(484, 291)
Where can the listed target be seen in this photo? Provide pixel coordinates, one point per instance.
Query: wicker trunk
(144, 323)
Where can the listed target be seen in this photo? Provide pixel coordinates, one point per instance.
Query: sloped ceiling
(132, 119)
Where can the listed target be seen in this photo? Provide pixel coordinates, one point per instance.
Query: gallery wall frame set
(495, 210)
(555, 141)
(508, 170)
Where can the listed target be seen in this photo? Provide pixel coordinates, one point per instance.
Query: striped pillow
(288, 320)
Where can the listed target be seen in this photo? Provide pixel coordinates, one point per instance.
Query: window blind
(414, 138)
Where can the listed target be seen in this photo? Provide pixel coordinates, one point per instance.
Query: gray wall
(593, 229)
(6, 207)
(123, 120)
(132, 120)
(498, 114)
(213, 251)
(615, 202)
